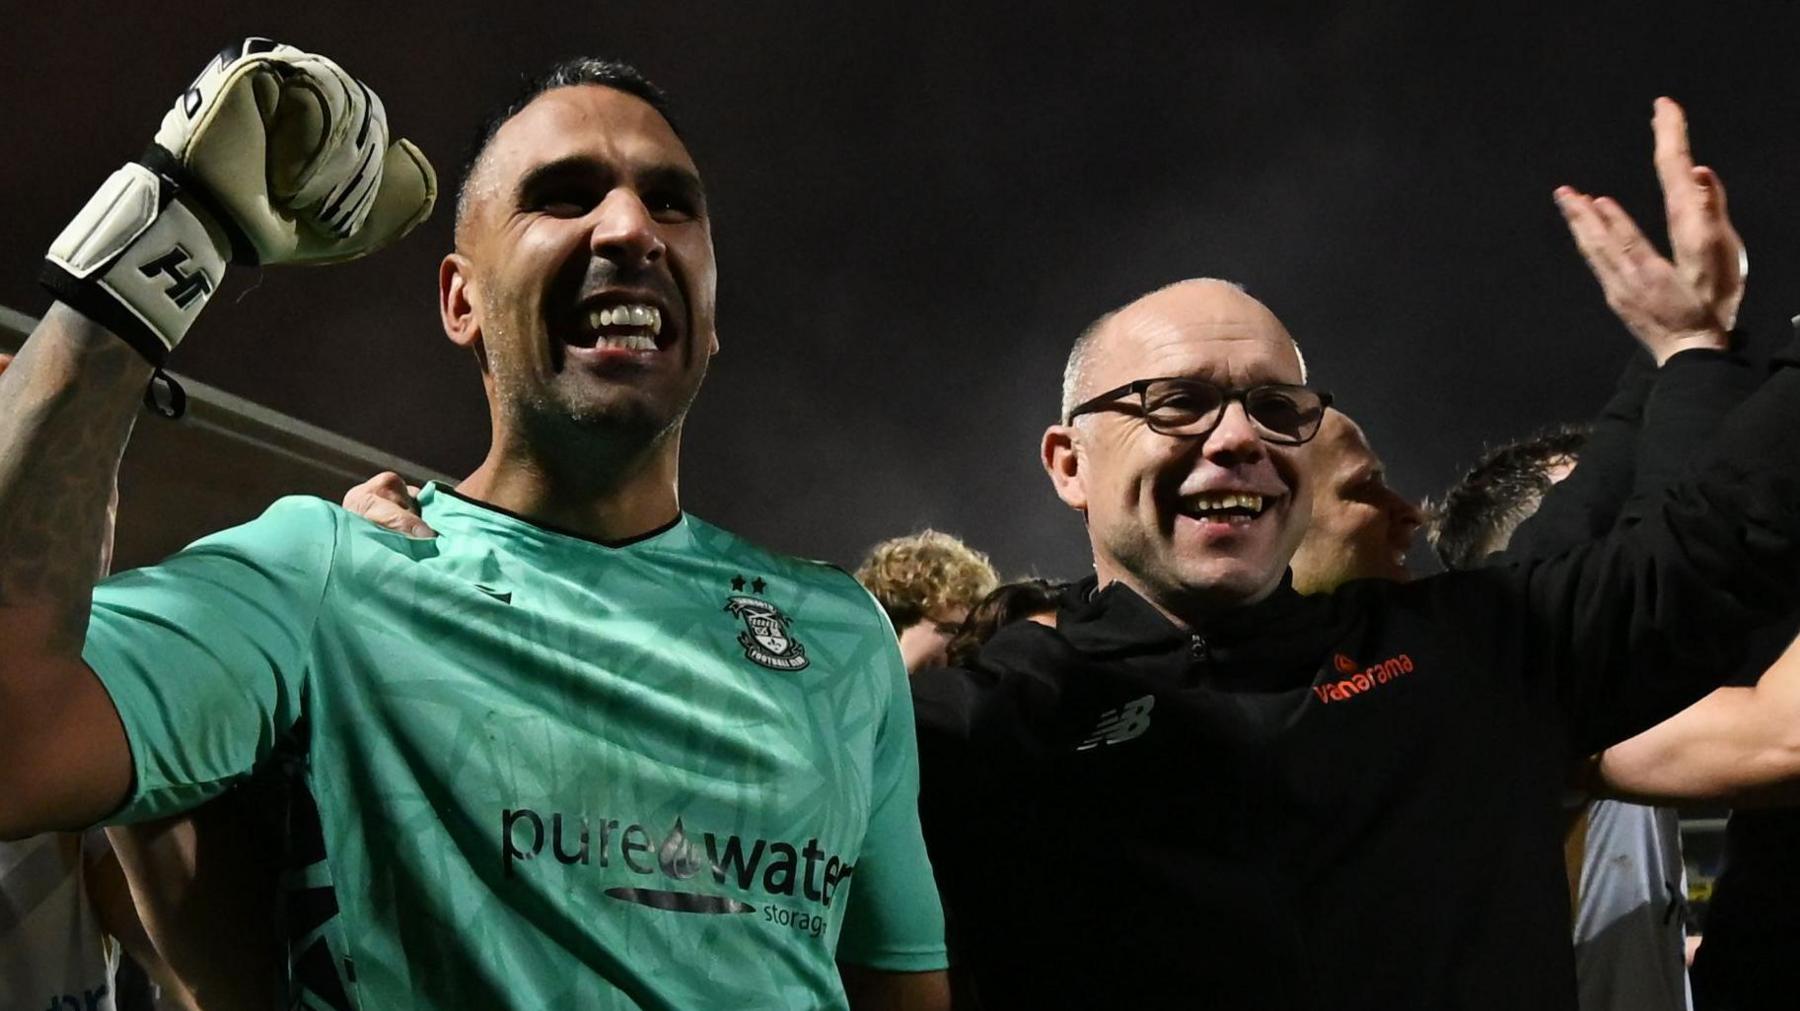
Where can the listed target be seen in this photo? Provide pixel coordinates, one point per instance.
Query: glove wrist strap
(139, 262)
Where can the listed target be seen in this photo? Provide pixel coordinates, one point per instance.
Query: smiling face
(584, 272)
(1361, 528)
(1192, 523)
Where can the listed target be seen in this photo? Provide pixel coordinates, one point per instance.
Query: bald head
(1197, 309)
(1150, 497)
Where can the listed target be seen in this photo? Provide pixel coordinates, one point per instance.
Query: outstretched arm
(1737, 745)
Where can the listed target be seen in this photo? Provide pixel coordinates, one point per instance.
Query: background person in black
(1202, 787)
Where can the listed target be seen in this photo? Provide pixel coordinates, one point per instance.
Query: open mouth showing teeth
(629, 327)
(1224, 507)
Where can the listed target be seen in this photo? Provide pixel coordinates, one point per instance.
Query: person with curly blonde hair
(926, 582)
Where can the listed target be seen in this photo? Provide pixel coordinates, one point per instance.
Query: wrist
(1704, 339)
(139, 259)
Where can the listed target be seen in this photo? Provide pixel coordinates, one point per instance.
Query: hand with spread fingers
(1669, 305)
(386, 500)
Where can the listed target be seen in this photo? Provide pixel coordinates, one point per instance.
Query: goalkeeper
(580, 750)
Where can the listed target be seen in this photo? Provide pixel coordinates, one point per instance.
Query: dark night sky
(916, 206)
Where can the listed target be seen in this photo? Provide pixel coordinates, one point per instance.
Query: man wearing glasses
(1204, 789)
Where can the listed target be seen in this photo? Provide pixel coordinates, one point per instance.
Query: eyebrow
(581, 167)
(678, 178)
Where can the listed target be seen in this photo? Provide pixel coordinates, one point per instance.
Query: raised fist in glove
(271, 156)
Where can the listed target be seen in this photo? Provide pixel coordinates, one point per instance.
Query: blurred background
(918, 205)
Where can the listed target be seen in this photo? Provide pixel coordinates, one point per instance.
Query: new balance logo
(185, 287)
(1122, 724)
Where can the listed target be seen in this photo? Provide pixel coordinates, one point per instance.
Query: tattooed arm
(67, 405)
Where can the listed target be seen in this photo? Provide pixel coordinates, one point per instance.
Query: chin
(1228, 586)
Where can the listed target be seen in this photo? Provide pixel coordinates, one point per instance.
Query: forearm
(1585, 505)
(878, 990)
(1649, 620)
(67, 404)
(118, 915)
(1737, 745)
(1695, 391)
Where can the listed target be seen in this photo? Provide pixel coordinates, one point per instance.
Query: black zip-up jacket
(1342, 801)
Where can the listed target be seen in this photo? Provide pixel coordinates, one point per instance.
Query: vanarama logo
(678, 865)
(1360, 679)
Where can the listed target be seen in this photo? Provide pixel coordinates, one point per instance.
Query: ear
(457, 303)
(1062, 459)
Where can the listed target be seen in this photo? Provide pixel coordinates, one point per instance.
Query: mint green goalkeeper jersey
(547, 773)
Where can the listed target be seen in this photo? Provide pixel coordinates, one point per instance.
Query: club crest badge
(765, 637)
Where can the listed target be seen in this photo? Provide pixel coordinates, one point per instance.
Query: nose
(624, 232)
(1234, 439)
(1405, 517)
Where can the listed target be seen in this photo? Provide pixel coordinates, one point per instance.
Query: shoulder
(298, 530)
(303, 516)
(1444, 594)
(819, 589)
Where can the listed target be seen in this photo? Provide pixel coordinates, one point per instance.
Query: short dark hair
(579, 70)
(1009, 602)
(1478, 515)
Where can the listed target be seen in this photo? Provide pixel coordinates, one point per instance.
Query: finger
(382, 501)
(5, 360)
(1673, 157)
(385, 485)
(1714, 186)
(1588, 230)
(1624, 238)
(386, 514)
(1718, 221)
(1711, 187)
(408, 190)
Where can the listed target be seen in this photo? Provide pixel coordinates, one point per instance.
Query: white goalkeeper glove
(271, 156)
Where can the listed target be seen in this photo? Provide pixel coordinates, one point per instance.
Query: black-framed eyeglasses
(1282, 414)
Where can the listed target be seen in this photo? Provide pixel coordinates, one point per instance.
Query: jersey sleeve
(205, 654)
(894, 921)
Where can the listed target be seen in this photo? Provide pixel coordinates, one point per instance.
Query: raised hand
(1709, 254)
(1669, 306)
(272, 155)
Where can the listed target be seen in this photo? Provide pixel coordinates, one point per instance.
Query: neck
(605, 496)
(1186, 609)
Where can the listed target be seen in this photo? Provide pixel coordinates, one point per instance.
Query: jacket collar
(1116, 620)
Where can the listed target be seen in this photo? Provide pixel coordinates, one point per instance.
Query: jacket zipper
(1198, 650)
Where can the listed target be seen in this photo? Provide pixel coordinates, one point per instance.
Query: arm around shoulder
(1740, 745)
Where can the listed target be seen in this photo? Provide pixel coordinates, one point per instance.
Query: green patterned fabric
(548, 773)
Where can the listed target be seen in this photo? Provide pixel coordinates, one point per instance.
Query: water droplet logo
(679, 857)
